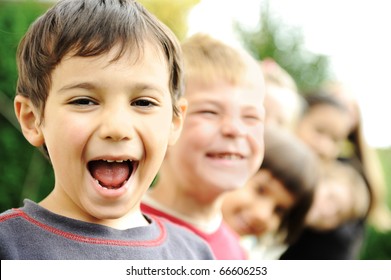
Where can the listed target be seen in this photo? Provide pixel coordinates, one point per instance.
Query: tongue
(110, 174)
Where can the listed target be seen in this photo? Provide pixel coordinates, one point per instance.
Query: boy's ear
(29, 120)
(177, 121)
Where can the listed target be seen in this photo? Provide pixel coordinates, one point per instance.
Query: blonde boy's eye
(208, 112)
(143, 103)
(253, 116)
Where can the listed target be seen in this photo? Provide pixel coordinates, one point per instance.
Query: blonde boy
(221, 144)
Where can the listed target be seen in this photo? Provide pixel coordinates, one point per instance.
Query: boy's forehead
(120, 52)
(148, 69)
(221, 94)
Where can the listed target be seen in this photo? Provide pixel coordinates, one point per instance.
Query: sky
(353, 33)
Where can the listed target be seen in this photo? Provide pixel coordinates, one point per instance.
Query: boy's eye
(143, 103)
(320, 130)
(208, 112)
(83, 102)
(251, 117)
(260, 190)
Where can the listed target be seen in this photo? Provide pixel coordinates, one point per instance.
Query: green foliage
(24, 171)
(285, 45)
(385, 158)
(377, 245)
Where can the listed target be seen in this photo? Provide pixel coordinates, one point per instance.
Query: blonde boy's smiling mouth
(225, 155)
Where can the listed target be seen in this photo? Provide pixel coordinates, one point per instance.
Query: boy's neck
(198, 213)
(207, 225)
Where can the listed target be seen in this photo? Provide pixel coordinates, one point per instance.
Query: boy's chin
(108, 215)
(220, 188)
(230, 185)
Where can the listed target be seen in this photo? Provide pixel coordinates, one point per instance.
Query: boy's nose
(233, 127)
(116, 125)
(264, 211)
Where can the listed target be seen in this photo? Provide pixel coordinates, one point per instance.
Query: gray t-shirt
(32, 232)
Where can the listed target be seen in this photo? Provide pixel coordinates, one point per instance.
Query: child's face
(281, 106)
(332, 205)
(275, 113)
(107, 126)
(221, 144)
(324, 128)
(258, 207)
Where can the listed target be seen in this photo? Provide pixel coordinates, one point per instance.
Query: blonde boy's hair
(208, 60)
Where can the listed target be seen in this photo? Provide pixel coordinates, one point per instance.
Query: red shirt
(224, 242)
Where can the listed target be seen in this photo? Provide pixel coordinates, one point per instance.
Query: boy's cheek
(74, 134)
(257, 137)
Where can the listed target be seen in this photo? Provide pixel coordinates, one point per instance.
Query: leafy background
(25, 173)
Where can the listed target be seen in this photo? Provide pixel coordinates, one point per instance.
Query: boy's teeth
(228, 156)
(110, 160)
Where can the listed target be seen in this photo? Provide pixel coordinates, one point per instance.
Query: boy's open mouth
(111, 174)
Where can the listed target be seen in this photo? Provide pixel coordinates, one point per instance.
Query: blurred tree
(377, 245)
(285, 44)
(385, 157)
(24, 171)
(172, 12)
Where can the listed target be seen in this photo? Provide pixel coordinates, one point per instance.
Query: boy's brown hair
(91, 28)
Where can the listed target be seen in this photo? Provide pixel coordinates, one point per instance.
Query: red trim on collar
(142, 243)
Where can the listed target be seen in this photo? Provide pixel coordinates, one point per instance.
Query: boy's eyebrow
(213, 102)
(139, 87)
(207, 102)
(254, 107)
(82, 85)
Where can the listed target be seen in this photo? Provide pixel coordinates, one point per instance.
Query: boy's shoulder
(10, 214)
(6, 214)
